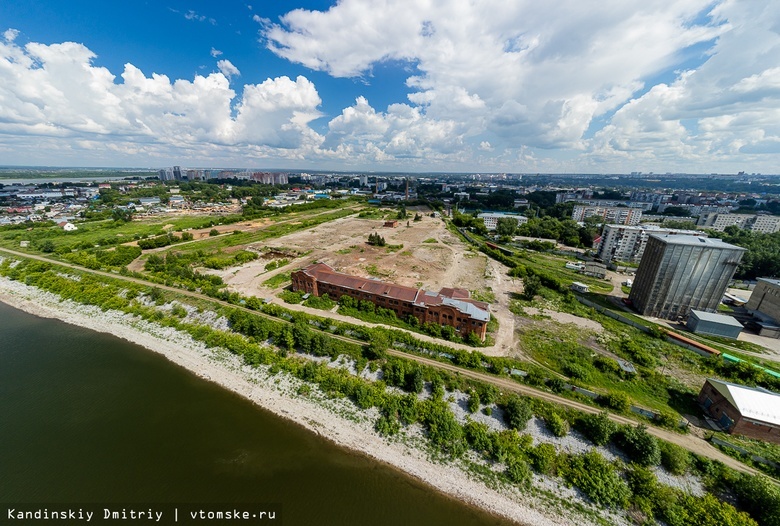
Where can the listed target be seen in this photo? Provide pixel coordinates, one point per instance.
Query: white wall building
(608, 214)
(491, 219)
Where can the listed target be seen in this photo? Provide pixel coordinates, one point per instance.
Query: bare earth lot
(431, 257)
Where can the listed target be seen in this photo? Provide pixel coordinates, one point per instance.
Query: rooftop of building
(454, 297)
(772, 281)
(677, 239)
(755, 403)
(656, 228)
(716, 318)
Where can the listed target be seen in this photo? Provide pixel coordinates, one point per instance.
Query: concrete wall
(765, 299)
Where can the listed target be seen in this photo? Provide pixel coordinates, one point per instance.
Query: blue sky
(493, 86)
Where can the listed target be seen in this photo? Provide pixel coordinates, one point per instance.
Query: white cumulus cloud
(228, 69)
(54, 93)
(516, 76)
(10, 34)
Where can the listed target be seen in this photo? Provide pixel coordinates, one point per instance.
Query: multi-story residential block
(680, 273)
(608, 214)
(449, 306)
(738, 220)
(491, 219)
(766, 224)
(627, 243)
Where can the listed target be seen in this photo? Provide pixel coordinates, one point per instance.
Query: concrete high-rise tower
(680, 273)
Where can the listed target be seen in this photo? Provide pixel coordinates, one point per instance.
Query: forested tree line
(762, 259)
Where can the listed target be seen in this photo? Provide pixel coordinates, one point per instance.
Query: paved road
(689, 442)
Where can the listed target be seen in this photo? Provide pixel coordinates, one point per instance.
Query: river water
(89, 418)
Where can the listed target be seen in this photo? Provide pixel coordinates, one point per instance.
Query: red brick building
(750, 411)
(449, 306)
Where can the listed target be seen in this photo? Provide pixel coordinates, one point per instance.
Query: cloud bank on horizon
(614, 86)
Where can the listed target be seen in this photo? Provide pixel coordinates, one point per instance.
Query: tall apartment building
(627, 243)
(608, 214)
(680, 273)
(449, 306)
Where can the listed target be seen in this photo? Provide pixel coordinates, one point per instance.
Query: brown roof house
(750, 411)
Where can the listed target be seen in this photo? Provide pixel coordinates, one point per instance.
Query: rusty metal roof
(454, 297)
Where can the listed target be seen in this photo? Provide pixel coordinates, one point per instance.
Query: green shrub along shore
(630, 486)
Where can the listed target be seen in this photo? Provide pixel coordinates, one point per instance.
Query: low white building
(491, 219)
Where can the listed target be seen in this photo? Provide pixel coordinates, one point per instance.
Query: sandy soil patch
(444, 261)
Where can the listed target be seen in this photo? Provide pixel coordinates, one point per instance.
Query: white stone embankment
(336, 420)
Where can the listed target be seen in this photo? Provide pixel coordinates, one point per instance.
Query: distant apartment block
(586, 198)
(678, 273)
(627, 243)
(178, 174)
(724, 220)
(491, 219)
(608, 214)
(696, 209)
(448, 307)
(764, 224)
(269, 178)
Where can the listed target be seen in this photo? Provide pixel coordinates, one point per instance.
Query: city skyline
(675, 87)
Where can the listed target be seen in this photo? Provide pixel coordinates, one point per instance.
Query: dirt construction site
(417, 254)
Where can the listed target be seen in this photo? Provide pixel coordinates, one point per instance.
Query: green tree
(674, 459)
(517, 412)
(474, 402)
(518, 471)
(48, 246)
(619, 402)
(532, 285)
(557, 425)
(598, 479)
(443, 430)
(506, 226)
(544, 458)
(639, 445)
(598, 428)
(760, 497)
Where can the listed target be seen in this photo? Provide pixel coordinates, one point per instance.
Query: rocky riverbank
(336, 420)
